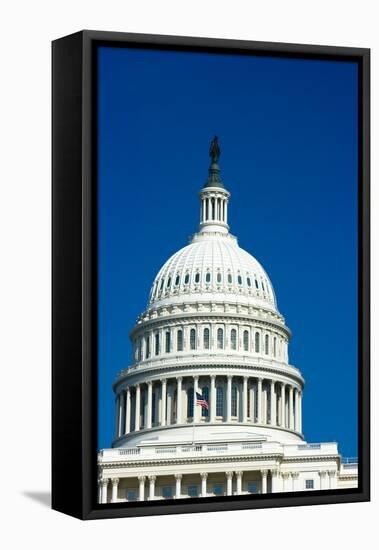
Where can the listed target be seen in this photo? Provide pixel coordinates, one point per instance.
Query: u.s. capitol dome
(212, 334)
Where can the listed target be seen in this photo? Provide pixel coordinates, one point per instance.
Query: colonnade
(269, 480)
(214, 208)
(245, 399)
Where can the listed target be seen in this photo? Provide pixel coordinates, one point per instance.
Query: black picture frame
(74, 293)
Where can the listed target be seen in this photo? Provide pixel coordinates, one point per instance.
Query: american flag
(200, 400)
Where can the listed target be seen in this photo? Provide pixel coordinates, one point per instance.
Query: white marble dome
(213, 267)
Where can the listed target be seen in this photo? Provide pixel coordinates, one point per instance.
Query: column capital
(115, 480)
(264, 473)
(229, 376)
(141, 478)
(332, 473)
(295, 475)
(127, 389)
(178, 476)
(245, 377)
(238, 473)
(164, 380)
(285, 475)
(213, 377)
(196, 377)
(323, 474)
(152, 478)
(137, 385)
(179, 378)
(149, 382)
(275, 471)
(104, 481)
(229, 475)
(204, 475)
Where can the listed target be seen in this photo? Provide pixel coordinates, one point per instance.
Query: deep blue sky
(288, 135)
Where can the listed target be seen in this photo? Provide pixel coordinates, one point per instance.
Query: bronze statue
(214, 150)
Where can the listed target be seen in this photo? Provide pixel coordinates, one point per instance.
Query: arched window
(168, 282)
(140, 349)
(266, 344)
(219, 278)
(147, 348)
(190, 402)
(206, 338)
(179, 340)
(233, 338)
(197, 277)
(168, 342)
(246, 340)
(220, 338)
(219, 401)
(230, 278)
(263, 287)
(177, 280)
(239, 279)
(256, 283)
(257, 342)
(186, 279)
(162, 283)
(157, 343)
(193, 338)
(248, 280)
(205, 394)
(234, 400)
(208, 277)
(274, 350)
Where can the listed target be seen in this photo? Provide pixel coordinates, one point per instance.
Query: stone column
(323, 480)
(141, 480)
(195, 388)
(152, 487)
(121, 413)
(179, 400)
(138, 408)
(127, 412)
(178, 485)
(295, 477)
(204, 476)
(283, 406)
(244, 400)
(229, 399)
(117, 415)
(272, 403)
(275, 481)
(300, 413)
(259, 401)
(239, 482)
(229, 483)
(163, 402)
(115, 481)
(264, 481)
(290, 397)
(285, 477)
(104, 490)
(149, 403)
(212, 399)
(332, 479)
(252, 404)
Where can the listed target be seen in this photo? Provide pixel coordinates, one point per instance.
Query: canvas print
(227, 275)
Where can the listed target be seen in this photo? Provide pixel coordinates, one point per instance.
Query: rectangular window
(157, 344)
(309, 484)
(168, 342)
(167, 492)
(131, 495)
(218, 489)
(219, 401)
(192, 490)
(252, 487)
